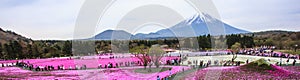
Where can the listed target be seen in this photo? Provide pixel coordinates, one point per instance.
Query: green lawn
(151, 70)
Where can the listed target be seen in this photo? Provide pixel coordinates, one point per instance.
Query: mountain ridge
(7, 36)
(199, 24)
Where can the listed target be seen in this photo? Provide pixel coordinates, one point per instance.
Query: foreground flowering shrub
(255, 70)
(295, 69)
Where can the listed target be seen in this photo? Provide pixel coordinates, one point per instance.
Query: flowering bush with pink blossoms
(255, 70)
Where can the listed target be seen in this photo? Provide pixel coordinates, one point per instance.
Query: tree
(156, 53)
(232, 39)
(17, 49)
(141, 53)
(53, 52)
(235, 48)
(67, 48)
(35, 51)
(29, 51)
(1, 50)
(269, 42)
(7, 51)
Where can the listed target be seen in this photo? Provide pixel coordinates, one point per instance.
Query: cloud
(55, 19)
(40, 19)
(260, 15)
(122, 8)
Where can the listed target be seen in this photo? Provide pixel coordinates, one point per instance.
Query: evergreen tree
(7, 51)
(1, 50)
(17, 50)
(67, 48)
(29, 52)
(35, 51)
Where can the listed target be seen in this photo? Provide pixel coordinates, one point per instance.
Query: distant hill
(199, 24)
(113, 34)
(281, 39)
(6, 36)
(273, 33)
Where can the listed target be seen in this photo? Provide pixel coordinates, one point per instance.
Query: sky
(55, 19)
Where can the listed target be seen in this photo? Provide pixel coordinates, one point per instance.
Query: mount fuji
(199, 24)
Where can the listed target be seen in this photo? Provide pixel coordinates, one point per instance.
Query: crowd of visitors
(267, 51)
(202, 63)
(27, 65)
(173, 62)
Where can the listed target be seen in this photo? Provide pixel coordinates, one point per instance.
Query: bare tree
(156, 53)
(141, 54)
(235, 48)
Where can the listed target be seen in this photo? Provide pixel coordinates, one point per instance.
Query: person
(170, 72)
(176, 61)
(108, 65)
(99, 66)
(287, 61)
(294, 62)
(166, 78)
(82, 67)
(247, 61)
(63, 67)
(77, 67)
(111, 65)
(209, 62)
(37, 68)
(172, 62)
(280, 62)
(52, 68)
(58, 67)
(201, 63)
(30, 67)
(70, 67)
(216, 62)
(46, 68)
(158, 78)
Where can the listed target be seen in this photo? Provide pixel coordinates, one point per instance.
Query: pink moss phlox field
(235, 73)
(106, 74)
(90, 63)
(123, 73)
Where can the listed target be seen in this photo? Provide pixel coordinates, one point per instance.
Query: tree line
(38, 49)
(55, 48)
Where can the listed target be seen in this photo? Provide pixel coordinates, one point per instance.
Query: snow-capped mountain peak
(198, 18)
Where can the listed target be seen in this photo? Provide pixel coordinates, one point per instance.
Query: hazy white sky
(55, 19)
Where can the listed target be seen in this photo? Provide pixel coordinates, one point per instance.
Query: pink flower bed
(15, 73)
(124, 73)
(295, 69)
(90, 63)
(96, 74)
(235, 73)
